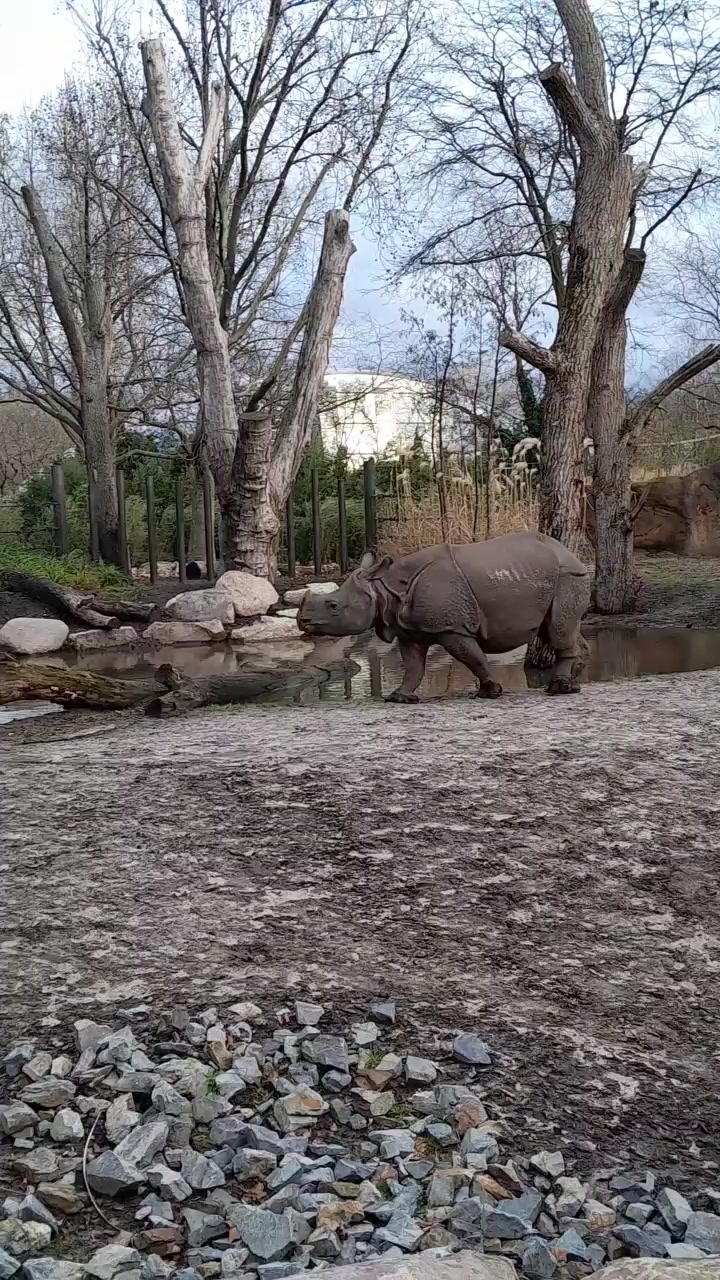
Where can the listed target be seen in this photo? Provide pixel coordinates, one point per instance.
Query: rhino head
(349, 611)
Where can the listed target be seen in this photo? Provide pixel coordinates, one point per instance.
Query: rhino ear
(377, 569)
(367, 561)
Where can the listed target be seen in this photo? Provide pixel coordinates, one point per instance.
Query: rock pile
(236, 1147)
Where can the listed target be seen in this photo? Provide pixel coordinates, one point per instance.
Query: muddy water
(615, 653)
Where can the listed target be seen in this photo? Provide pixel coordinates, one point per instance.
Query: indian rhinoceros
(478, 598)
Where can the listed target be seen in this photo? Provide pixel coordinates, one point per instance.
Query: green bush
(73, 570)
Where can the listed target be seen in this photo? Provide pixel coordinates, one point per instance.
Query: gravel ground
(543, 872)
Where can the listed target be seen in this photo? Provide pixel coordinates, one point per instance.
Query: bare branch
(574, 112)
(528, 350)
(641, 413)
(211, 136)
(56, 276)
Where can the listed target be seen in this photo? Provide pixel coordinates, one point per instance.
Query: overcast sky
(39, 44)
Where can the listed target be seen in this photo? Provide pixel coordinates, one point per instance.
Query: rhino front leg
(413, 656)
(467, 650)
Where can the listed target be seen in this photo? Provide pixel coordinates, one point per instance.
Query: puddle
(615, 653)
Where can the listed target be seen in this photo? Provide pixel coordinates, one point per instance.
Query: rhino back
(500, 590)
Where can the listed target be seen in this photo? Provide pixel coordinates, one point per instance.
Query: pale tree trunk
(239, 453)
(253, 510)
(184, 185)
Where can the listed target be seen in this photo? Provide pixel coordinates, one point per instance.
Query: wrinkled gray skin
(483, 597)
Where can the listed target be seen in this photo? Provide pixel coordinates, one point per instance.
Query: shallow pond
(615, 653)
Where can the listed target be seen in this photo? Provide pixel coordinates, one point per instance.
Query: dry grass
(420, 524)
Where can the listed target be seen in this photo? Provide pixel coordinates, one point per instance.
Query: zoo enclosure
(344, 537)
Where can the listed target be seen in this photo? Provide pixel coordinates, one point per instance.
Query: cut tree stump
(28, 681)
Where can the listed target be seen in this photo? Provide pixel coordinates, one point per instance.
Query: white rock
(165, 633)
(33, 635)
(67, 1126)
(112, 1260)
(268, 629)
(250, 595)
(199, 606)
(120, 1118)
(92, 641)
(297, 595)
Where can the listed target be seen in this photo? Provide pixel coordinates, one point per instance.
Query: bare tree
(80, 294)
(29, 440)
(261, 118)
(542, 166)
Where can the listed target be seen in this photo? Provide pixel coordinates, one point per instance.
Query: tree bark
(251, 511)
(184, 186)
(615, 588)
(264, 469)
(250, 522)
(90, 344)
(603, 199)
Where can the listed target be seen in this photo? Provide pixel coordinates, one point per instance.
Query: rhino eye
(333, 606)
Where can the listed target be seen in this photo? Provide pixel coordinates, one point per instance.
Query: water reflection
(615, 653)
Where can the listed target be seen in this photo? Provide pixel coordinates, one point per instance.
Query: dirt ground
(542, 871)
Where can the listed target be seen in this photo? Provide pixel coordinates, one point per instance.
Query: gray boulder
(199, 606)
(109, 1174)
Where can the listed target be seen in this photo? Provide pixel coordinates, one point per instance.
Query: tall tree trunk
(602, 208)
(250, 522)
(184, 186)
(250, 509)
(264, 469)
(99, 447)
(614, 590)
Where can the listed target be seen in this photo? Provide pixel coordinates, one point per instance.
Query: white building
(373, 411)
(371, 414)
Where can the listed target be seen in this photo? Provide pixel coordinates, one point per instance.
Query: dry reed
(418, 521)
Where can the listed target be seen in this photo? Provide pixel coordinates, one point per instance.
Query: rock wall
(681, 514)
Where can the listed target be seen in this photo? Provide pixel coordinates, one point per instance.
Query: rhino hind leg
(414, 656)
(467, 650)
(561, 630)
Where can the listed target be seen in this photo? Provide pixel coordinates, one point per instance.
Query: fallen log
(129, 610)
(29, 682)
(66, 601)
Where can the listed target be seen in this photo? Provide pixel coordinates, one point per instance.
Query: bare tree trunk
(264, 471)
(604, 194)
(184, 186)
(614, 590)
(251, 523)
(99, 448)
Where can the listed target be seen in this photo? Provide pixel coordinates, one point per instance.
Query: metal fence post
(342, 526)
(60, 521)
(122, 521)
(92, 516)
(317, 535)
(290, 522)
(209, 516)
(370, 497)
(151, 529)
(180, 528)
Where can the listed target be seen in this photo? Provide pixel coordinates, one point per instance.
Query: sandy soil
(543, 871)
